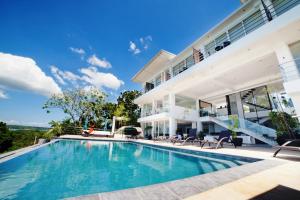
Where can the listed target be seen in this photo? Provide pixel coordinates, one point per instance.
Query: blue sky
(58, 44)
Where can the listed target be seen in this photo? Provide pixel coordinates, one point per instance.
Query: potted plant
(233, 127)
(201, 135)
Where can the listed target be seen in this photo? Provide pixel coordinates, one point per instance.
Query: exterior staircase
(258, 131)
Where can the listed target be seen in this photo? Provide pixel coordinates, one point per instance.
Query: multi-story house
(247, 65)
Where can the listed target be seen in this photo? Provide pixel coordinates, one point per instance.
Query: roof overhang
(153, 66)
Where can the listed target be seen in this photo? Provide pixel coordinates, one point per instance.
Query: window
(253, 22)
(236, 32)
(190, 61)
(222, 38)
(210, 48)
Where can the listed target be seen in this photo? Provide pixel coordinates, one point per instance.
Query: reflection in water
(73, 168)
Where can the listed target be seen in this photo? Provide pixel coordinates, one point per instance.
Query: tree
(78, 104)
(286, 126)
(127, 108)
(5, 137)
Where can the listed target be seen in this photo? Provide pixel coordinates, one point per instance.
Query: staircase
(260, 132)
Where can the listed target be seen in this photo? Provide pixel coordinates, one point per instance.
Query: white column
(239, 105)
(172, 126)
(199, 126)
(153, 107)
(287, 64)
(153, 129)
(113, 125)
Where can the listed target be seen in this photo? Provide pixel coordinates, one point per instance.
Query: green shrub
(286, 126)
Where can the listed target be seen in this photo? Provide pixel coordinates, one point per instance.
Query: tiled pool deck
(242, 182)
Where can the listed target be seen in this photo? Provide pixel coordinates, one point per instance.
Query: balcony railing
(155, 111)
(290, 70)
(242, 28)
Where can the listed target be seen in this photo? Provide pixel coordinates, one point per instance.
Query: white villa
(247, 65)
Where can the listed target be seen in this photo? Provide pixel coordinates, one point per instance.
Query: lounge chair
(192, 137)
(161, 138)
(291, 145)
(224, 136)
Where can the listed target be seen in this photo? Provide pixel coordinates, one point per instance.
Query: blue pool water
(71, 168)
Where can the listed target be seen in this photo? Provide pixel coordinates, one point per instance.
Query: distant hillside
(20, 127)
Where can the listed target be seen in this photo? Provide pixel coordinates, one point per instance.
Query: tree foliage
(127, 108)
(78, 104)
(286, 126)
(5, 137)
(12, 140)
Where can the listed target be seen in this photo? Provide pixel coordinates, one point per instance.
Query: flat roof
(161, 58)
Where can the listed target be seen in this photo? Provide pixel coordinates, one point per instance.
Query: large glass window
(255, 101)
(161, 128)
(205, 108)
(253, 22)
(236, 32)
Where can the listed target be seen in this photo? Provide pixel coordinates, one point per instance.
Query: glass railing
(290, 70)
(243, 124)
(155, 111)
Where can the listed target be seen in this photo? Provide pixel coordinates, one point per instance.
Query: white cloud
(89, 77)
(57, 74)
(95, 61)
(3, 95)
(149, 38)
(63, 75)
(79, 51)
(142, 44)
(99, 79)
(22, 73)
(133, 48)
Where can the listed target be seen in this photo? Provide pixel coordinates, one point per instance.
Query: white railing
(290, 70)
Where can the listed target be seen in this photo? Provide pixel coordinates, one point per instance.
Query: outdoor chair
(224, 137)
(192, 137)
(291, 145)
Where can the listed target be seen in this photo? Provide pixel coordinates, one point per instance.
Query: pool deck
(270, 178)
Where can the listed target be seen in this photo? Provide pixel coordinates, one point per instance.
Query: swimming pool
(70, 168)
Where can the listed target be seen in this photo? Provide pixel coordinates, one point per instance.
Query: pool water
(70, 168)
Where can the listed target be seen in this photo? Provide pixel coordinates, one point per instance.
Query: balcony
(231, 34)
